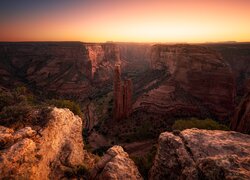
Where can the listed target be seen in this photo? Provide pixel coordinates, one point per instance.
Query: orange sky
(133, 21)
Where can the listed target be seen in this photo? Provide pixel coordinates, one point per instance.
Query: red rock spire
(122, 107)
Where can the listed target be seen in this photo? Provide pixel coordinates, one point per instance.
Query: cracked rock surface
(115, 164)
(27, 154)
(202, 154)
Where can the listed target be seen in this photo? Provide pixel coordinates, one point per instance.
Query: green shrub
(62, 103)
(197, 123)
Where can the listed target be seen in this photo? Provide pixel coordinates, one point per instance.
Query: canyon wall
(135, 57)
(240, 121)
(199, 82)
(70, 68)
(238, 57)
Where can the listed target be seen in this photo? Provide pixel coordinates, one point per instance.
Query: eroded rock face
(199, 82)
(70, 68)
(241, 118)
(115, 164)
(202, 154)
(238, 57)
(43, 154)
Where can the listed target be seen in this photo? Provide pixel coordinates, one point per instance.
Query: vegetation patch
(144, 163)
(71, 105)
(208, 124)
(77, 172)
(19, 107)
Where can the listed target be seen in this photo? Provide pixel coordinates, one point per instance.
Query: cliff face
(43, 154)
(66, 68)
(238, 57)
(135, 56)
(202, 154)
(241, 119)
(198, 80)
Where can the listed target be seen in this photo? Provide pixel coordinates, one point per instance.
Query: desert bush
(62, 103)
(144, 163)
(101, 150)
(15, 113)
(6, 99)
(80, 171)
(209, 124)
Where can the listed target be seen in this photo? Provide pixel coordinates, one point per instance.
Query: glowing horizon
(190, 21)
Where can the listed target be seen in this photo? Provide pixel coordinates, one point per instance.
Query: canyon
(129, 93)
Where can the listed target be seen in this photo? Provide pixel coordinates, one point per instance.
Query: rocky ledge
(202, 154)
(115, 164)
(43, 154)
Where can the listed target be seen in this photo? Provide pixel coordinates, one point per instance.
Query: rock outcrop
(241, 118)
(43, 154)
(122, 95)
(115, 164)
(199, 82)
(202, 154)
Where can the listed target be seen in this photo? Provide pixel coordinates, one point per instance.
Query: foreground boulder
(202, 154)
(115, 164)
(43, 154)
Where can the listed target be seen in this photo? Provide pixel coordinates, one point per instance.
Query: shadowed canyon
(74, 110)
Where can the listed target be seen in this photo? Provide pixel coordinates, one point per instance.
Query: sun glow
(138, 21)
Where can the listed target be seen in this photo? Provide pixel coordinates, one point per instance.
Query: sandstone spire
(122, 95)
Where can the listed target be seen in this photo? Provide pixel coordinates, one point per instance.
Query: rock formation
(122, 95)
(199, 82)
(115, 164)
(43, 154)
(202, 154)
(241, 118)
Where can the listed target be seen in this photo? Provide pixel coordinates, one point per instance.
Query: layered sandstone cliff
(70, 68)
(202, 154)
(199, 82)
(238, 57)
(240, 121)
(46, 153)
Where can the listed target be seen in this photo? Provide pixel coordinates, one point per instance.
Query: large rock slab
(202, 154)
(42, 154)
(115, 164)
